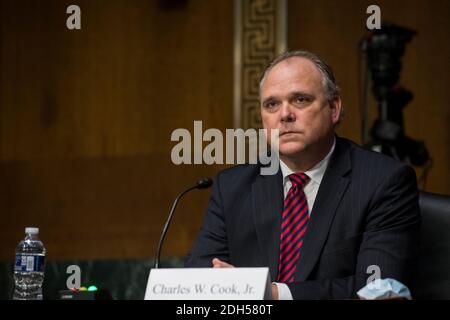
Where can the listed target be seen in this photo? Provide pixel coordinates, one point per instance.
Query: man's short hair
(328, 80)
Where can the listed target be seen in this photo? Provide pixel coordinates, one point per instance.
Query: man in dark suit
(332, 214)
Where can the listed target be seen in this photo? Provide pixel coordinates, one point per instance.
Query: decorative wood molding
(260, 34)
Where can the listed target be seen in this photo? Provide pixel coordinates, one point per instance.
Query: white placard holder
(209, 284)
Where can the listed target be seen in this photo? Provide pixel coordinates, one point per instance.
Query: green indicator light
(92, 288)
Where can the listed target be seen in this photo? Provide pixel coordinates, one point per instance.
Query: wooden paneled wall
(86, 118)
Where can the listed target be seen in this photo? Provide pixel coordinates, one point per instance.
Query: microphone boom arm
(201, 184)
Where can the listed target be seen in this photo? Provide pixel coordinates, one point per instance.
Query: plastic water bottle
(29, 267)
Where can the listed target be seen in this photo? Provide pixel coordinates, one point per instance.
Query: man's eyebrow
(269, 98)
(291, 95)
(301, 93)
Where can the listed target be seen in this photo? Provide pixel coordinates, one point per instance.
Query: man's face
(293, 100)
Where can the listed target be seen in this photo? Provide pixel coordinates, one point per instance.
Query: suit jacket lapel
(330, 192)
(267, 208)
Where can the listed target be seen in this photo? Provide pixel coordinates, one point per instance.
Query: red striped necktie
(294, 222)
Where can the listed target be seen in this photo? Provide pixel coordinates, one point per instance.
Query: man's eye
(271, 104)
(301, 99)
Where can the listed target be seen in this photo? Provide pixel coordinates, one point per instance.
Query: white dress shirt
(315, 174)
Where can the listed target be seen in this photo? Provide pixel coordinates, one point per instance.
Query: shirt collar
(315, 173)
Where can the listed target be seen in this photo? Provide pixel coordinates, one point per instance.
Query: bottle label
(29, 263)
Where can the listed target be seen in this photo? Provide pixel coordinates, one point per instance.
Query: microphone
(201, 184)
(204, 183)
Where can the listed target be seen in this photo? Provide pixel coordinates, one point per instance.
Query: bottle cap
(31, 230)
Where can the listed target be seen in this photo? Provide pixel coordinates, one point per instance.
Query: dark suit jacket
(366, 213)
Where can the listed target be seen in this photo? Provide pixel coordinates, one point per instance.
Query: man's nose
(286, 113)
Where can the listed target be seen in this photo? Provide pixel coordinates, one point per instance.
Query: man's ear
(336, 109)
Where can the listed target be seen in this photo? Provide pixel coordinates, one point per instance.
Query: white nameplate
(209, 284)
